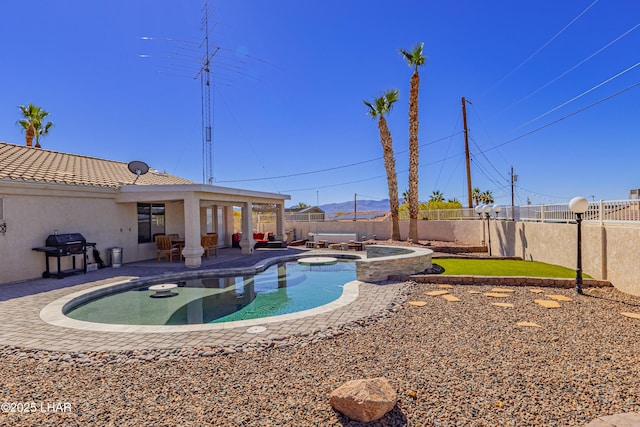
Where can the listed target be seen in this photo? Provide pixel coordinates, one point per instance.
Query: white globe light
(486, 208)
(579, 205)
(478, 209)
(496, 208)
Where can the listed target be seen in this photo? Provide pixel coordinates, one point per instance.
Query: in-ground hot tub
(383, 261)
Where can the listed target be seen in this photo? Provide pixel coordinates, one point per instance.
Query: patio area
(21, 303)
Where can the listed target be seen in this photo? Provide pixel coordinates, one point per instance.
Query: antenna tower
(207, 106)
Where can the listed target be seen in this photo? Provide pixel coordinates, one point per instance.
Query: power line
(487, 159)
(579, 96)
(447, 152)
(572, 68)
(333, 185)
(546, 196)
(593, 104)
(292, 175)
(541, 47)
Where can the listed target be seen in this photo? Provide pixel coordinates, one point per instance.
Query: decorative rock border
(459, 249)
(500, 280)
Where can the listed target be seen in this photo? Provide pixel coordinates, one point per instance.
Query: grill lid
(65, 239)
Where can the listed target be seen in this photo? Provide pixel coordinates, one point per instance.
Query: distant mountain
(361, 205)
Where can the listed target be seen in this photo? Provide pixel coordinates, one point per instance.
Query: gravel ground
(461, 363)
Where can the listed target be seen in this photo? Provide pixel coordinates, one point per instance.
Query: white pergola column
(228, 225)
(246, 244)
(280, 234)
(203, 219)
(214, 218)
(192, 251)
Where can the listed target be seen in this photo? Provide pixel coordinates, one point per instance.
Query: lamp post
(486, 209)
(478, 210)
(579, 206)
(496, 209)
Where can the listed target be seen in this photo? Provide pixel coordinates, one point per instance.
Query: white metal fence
(612, 211)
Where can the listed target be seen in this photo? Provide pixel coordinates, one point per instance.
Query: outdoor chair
(164, 248)
(209, 243)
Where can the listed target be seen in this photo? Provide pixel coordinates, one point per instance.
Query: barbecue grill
(62, 245)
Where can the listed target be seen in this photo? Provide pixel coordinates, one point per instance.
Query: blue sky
(290, 78)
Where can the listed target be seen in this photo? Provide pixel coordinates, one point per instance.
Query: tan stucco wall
(620, 249)
(549, 242)
(34, 214)
(31, 219)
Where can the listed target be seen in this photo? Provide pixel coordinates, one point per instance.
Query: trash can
(115, 254)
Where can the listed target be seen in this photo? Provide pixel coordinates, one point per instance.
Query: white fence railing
(289, 217)
(612, 211)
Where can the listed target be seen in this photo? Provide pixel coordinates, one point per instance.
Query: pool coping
(53, 313)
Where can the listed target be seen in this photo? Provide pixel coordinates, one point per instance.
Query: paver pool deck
(21, 304)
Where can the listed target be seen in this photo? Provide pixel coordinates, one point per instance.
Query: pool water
(281, 289)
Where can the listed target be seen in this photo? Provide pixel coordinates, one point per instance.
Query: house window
(150, 221)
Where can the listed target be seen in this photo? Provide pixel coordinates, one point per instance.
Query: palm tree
(405, 197)
(378, 109)
(475, 195)
(436, 196)
(33, 123)
(486, 197)
(415, 59)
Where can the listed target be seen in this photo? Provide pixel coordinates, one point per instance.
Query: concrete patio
(21, 303)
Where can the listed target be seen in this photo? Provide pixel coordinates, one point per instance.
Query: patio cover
(197, 196)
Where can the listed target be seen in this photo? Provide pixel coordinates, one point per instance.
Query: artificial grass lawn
(503, 267)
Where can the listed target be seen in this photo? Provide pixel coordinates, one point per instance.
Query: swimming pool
(283, 288)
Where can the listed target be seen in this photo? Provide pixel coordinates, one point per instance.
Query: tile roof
(37, 165)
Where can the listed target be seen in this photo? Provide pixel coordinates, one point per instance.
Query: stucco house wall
(33, 212)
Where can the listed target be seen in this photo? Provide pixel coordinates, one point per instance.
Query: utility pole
(514, 178)
(355, 209)
(466, 150)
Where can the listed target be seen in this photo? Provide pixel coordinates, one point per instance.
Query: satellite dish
(139, 168)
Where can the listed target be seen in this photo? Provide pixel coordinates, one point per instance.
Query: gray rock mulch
(452, 363)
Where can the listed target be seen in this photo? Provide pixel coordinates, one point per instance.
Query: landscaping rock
(364, 400)
(434, 269)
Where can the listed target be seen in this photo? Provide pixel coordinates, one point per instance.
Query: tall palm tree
(33, 123)
(378, 109)
(415, 59)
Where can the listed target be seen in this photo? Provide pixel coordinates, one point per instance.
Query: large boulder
(364, 400)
